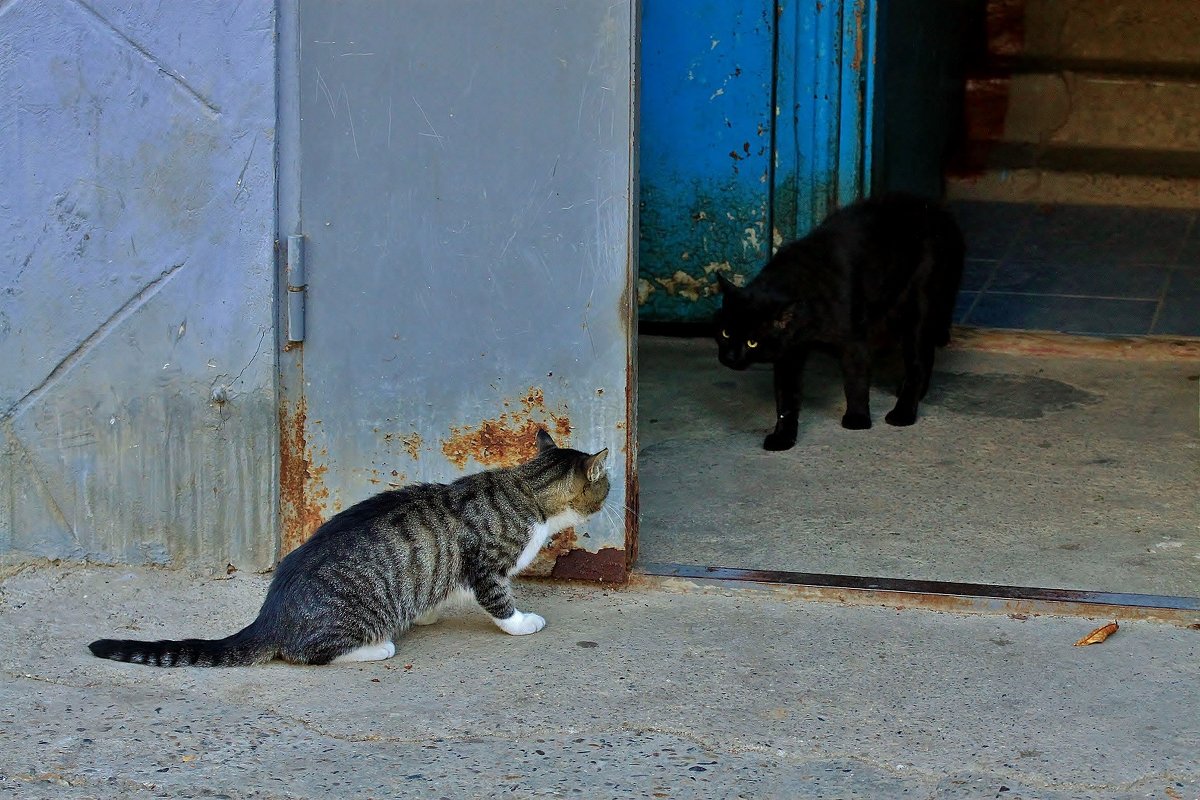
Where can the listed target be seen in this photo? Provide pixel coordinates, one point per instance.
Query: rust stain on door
(559, 545)
(509, 438)
(610, 564)
(412, 445)
(856, 64)
(302, 491)
(606, 566)
(505, 440)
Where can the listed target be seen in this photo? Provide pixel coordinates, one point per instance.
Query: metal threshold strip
(921, 592)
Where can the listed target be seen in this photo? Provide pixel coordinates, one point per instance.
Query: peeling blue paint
(705, 149)
(826, 58)
(728, 176)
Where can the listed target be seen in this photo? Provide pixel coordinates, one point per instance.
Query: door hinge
(297, 285)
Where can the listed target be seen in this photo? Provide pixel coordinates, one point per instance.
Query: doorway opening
(1058, 447)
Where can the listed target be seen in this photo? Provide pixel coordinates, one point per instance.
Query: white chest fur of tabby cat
(540, 533)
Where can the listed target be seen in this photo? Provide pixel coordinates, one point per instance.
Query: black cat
(873, 272)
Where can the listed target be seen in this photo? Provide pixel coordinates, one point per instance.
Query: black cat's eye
(751, 344)
(724, 334)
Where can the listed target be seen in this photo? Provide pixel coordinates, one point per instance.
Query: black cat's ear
(594, 465)
(544, 442)
(727, 286)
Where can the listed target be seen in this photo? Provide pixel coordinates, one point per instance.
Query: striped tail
(242, 649)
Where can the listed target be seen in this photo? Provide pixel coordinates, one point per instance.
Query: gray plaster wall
(137, 338)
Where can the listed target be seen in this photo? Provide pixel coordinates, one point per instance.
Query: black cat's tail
(244, 648)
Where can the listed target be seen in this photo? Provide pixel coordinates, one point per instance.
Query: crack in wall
(231, 383)
(127, 309)
(241, 185)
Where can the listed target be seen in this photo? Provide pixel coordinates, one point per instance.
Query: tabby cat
(380, 566)
(873, 272)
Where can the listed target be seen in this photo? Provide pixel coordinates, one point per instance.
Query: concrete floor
(655, 690)
(1033, 471)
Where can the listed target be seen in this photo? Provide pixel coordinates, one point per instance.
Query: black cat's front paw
(779, 441)
(901, 417)
(856, 422)
(784, 435)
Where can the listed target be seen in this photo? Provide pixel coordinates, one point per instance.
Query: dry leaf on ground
(1099, 635)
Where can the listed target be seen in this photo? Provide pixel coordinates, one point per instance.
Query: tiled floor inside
(1097, 270)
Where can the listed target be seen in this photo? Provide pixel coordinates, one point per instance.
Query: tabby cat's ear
(544, 442)
(727, 286)
(595, 465)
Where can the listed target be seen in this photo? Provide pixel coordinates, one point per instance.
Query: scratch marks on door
(350, 116)
(343, 97)
(434, 134)
(504, 249)
(323, 88)
(579, 116)
(241, 186)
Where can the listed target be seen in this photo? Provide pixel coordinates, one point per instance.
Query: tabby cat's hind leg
(457, 596)
(368, 652)
(428, 617)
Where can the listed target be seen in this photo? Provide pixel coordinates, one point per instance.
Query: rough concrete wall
(136, 281)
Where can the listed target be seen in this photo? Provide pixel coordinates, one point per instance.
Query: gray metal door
(462, 175)
(137, 379)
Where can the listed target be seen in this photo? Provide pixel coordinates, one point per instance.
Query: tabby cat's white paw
(520, 623)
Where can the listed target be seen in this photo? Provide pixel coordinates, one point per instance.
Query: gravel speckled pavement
(647, 691)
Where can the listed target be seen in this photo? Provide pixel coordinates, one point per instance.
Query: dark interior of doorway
(1096, 259)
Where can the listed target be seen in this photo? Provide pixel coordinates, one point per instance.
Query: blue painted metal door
(705, 148)
(755, 123)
